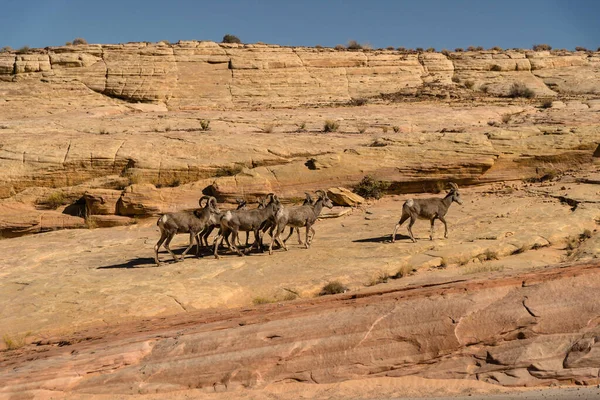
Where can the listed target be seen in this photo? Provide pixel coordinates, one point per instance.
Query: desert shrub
(547, 103)
(585, 235)
(68, 43)
(572, 243)
(479, 48)
(469, 84)
(484, 88)
(490, 255)
(53, 200)
(459, 50)
(380, 277)
(579, 48)
(496, 67)
(396, 128)
(402, 49)
(330, 126)
(262, 300)
(340, 47)
(301, 127)
(79, 41)
(16, 342)
(354, 45)
(403, 271)
(419, 50)
(496, 48)
(541, 47)
(506, 118)
(519, 89)
(455, 79)
(205, 124)
(445, 52)
(471, 48)
(23, 50)
(390, 48)
(231, 39)
(318, 46)
(371, 188)
(333, 287)
(6, 49)
(430, 50)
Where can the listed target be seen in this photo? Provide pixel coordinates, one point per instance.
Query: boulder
(343, 197)
(142, 199)
(101, 201)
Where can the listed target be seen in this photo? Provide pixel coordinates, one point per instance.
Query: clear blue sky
(380, 23)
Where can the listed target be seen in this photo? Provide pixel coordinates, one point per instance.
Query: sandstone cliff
(193, 74)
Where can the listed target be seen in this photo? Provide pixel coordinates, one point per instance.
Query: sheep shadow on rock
(139, 262)
(381, 239)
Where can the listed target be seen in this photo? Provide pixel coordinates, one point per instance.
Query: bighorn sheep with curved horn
(431, 208)
(241, 205)
(297, 217)
(246, 221)
(192, 222)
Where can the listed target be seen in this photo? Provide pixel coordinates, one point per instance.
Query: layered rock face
(192, 74)
(512, 331)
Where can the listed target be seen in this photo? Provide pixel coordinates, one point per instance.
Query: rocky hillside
(192, 74)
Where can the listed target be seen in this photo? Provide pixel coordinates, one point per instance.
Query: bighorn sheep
(192, 222)
(430, 208)
(297, 217)
(246, 221)
(241, 205)
(270, 225)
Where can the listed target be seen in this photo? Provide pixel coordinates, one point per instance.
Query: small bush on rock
(334, 287)
(371, 188)
(231, 39)
(519, 89)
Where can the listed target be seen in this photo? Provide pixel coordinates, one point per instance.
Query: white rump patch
(163, 219)
(410, 202)
(227, 216)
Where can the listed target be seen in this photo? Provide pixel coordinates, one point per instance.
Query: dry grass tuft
(334, 287)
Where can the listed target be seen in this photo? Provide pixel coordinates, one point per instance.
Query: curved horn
(308, 199)
(202, 198)
(212, 201)
(321, 193)
(269, 196)
(453, 186)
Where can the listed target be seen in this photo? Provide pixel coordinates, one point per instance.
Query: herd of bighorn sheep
(272, 217)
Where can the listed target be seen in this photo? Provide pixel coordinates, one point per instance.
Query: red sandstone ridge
(526, 329)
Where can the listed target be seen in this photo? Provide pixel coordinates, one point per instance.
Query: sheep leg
(190, 247)
(234, 239)
(163, 236)
(277, 237)
(398, 225)
(412, 222)
(247, 238)
(299, 238)
(431, 232)
(169, 238)
(218, 241)
(312, 230)
(291, 232)
(445, 226)
(307, 243)
(206, 234)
